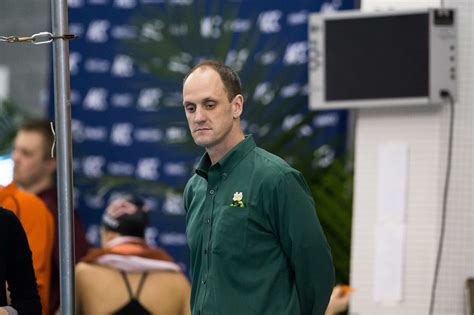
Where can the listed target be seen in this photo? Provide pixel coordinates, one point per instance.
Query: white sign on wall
(4, 82)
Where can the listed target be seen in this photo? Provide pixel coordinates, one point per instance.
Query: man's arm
(304, 243)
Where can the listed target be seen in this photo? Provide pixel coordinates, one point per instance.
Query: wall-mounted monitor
(364, 59)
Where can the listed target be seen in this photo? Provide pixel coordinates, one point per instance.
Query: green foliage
(331, 183)
(11, 118)
(332, 190)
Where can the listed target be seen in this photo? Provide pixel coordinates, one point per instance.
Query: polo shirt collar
(230, 160)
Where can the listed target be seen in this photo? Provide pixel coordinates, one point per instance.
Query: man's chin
(17, 181)
(201, 141)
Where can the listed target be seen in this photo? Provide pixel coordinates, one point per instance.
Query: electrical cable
(447, 96)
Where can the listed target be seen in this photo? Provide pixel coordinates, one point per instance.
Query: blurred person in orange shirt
(34, 172)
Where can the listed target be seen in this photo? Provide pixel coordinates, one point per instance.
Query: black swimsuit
(133, 307)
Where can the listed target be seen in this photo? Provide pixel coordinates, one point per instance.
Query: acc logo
(181, 2)
(122, 66)
(173, 239)
(236, 58)
(76, 28)
(176, 134)
(290, 90)
(121, 99)
(178, 29)
(149, 99)
(97, 65)
(264, 93)
(75, 97)
(238, 25)
(175, 169)
(291, 120)
(148, 134)
(323, 156)
(174, 204)
(296, 53)
(125, 4)
(74, 59)
(153, 30)
(121, 134)
(326, 120)
(93, 234)
(120, 168)
(267, 57)
(97, 31)
(296, 18)
(331, 7)
(92, 166)
(151, 233)
(210, 26)
(77, 130)
(95, 133)
(96, 99)
(75, 4)
(94, 201)
(124, 32)
(268, 21)
(147, 168)
(179, 63)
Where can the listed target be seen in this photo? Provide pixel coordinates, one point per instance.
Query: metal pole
(64, 156)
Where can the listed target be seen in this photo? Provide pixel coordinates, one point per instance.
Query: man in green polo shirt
(256, 243)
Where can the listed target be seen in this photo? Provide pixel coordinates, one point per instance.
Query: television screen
(377, 57)
(390, 58)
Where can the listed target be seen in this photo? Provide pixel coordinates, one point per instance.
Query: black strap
(127, 284)
(140, 284)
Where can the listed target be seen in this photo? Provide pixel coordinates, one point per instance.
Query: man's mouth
(201, 129)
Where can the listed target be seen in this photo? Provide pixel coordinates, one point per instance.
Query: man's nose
(14, 155)
(199, 115)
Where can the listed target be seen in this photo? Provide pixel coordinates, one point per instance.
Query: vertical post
(64, 156)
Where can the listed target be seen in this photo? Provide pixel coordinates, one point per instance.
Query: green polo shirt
(263, 253)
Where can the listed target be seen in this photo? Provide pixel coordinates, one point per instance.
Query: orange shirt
(38, 223)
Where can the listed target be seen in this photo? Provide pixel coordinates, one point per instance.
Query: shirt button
(208, 221)
(205, 251)
(212, 191)
(203, 282)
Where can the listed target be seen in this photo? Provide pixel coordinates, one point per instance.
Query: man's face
(211, 116)
(29, 160)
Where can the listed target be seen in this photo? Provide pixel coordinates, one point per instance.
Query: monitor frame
(442, 54)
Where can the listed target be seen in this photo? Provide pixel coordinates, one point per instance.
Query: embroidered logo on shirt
(237, 200)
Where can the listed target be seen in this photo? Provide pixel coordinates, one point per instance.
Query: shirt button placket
(208, 221)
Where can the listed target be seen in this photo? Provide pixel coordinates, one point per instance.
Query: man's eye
(210, 105)
(190, 108)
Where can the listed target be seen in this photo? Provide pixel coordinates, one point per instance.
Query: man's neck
(37, 187)
(218, 152)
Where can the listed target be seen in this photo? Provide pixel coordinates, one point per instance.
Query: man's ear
(237, 106)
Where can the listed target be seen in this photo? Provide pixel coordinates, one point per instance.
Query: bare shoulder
(177, 279)
(85, 269)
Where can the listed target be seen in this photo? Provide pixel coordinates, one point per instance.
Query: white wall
(425, 131)
(28, 64)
